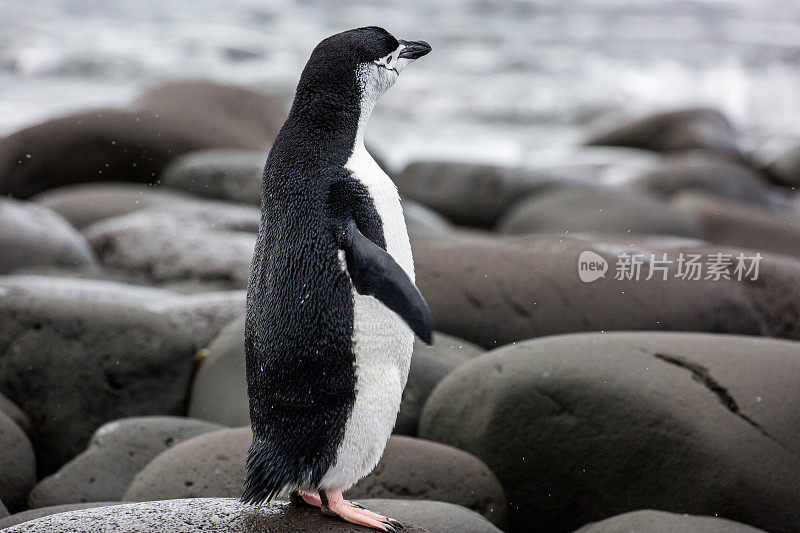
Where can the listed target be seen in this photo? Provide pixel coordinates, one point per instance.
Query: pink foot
(301, 497)
(333, 503)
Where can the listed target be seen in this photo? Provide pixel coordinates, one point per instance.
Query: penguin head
(358, 66)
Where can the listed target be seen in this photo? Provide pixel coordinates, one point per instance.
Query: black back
(298, 332)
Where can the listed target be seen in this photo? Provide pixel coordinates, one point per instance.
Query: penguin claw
(394, 523)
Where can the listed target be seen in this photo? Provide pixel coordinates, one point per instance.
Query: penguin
(332, 308)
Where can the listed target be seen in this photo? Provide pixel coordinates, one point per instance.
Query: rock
(116, 452)
(492, 291)
(31, 235)
(705, 174)
(74, 362)
(422, 221)
(214, 244)
(227, 515)
(219, 390)
(669, 131)
(3, 512)
(33, 514)
(16, 414)
(85, 204)
(424, 470)
(650, 520)
(568, 210)
(17, 464)
(744, 226)
(581, 427)
(202, 315)
(222, 174)
(134, 144)
(468, 194)
(429, 364)
(785, 169)
(212, 465)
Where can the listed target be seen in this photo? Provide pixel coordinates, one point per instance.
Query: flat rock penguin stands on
(331, 306)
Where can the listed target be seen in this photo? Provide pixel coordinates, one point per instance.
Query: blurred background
(508, 79)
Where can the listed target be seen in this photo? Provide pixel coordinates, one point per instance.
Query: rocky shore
(617, 346)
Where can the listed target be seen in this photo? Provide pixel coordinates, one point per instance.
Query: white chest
(387, 202)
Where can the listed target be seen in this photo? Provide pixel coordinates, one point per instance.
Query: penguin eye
(388, 60)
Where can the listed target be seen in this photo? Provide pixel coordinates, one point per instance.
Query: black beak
(414, 49)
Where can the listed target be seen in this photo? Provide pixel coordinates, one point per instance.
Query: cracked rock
(581, 427)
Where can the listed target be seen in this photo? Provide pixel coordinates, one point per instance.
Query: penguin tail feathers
(263, 481)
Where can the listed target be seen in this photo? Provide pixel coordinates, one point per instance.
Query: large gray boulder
(222, 174)
(493, 291)
(211, 242)
(785, 169)
(226, 515)
(746, 226)
(134, 143)
(470, 194)
(33, 514)
(650, 520)
(74, 362)
(670, 131)
(86, 203)
(17, 464)
(581, 427)
(578, 210)
(33, 236)
(212, 465)
(116, 453)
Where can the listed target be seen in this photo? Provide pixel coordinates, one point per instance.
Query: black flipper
(375, 273)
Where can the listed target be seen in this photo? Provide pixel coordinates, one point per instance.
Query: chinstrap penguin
(332, 308)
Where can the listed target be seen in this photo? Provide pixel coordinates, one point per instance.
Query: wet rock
(429, 364)
(469, 194)
(73, 361)
(16, 414)
(669, 131)
(213, 465)
(222, 174)
(134, 144)
(33, 514)
(785, 169)
(213, 244)
(116, 452)
(31, 235)
(581, 427)
(744, 226)
(17, 464)
(85, 204)
(650, 520)
(530, 287)
(229, 516)
(703, 173)
(568, 210)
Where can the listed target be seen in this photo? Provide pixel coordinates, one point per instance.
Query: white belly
(382, 343)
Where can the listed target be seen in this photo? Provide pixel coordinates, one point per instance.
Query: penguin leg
(333, 503)
(303, 498)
